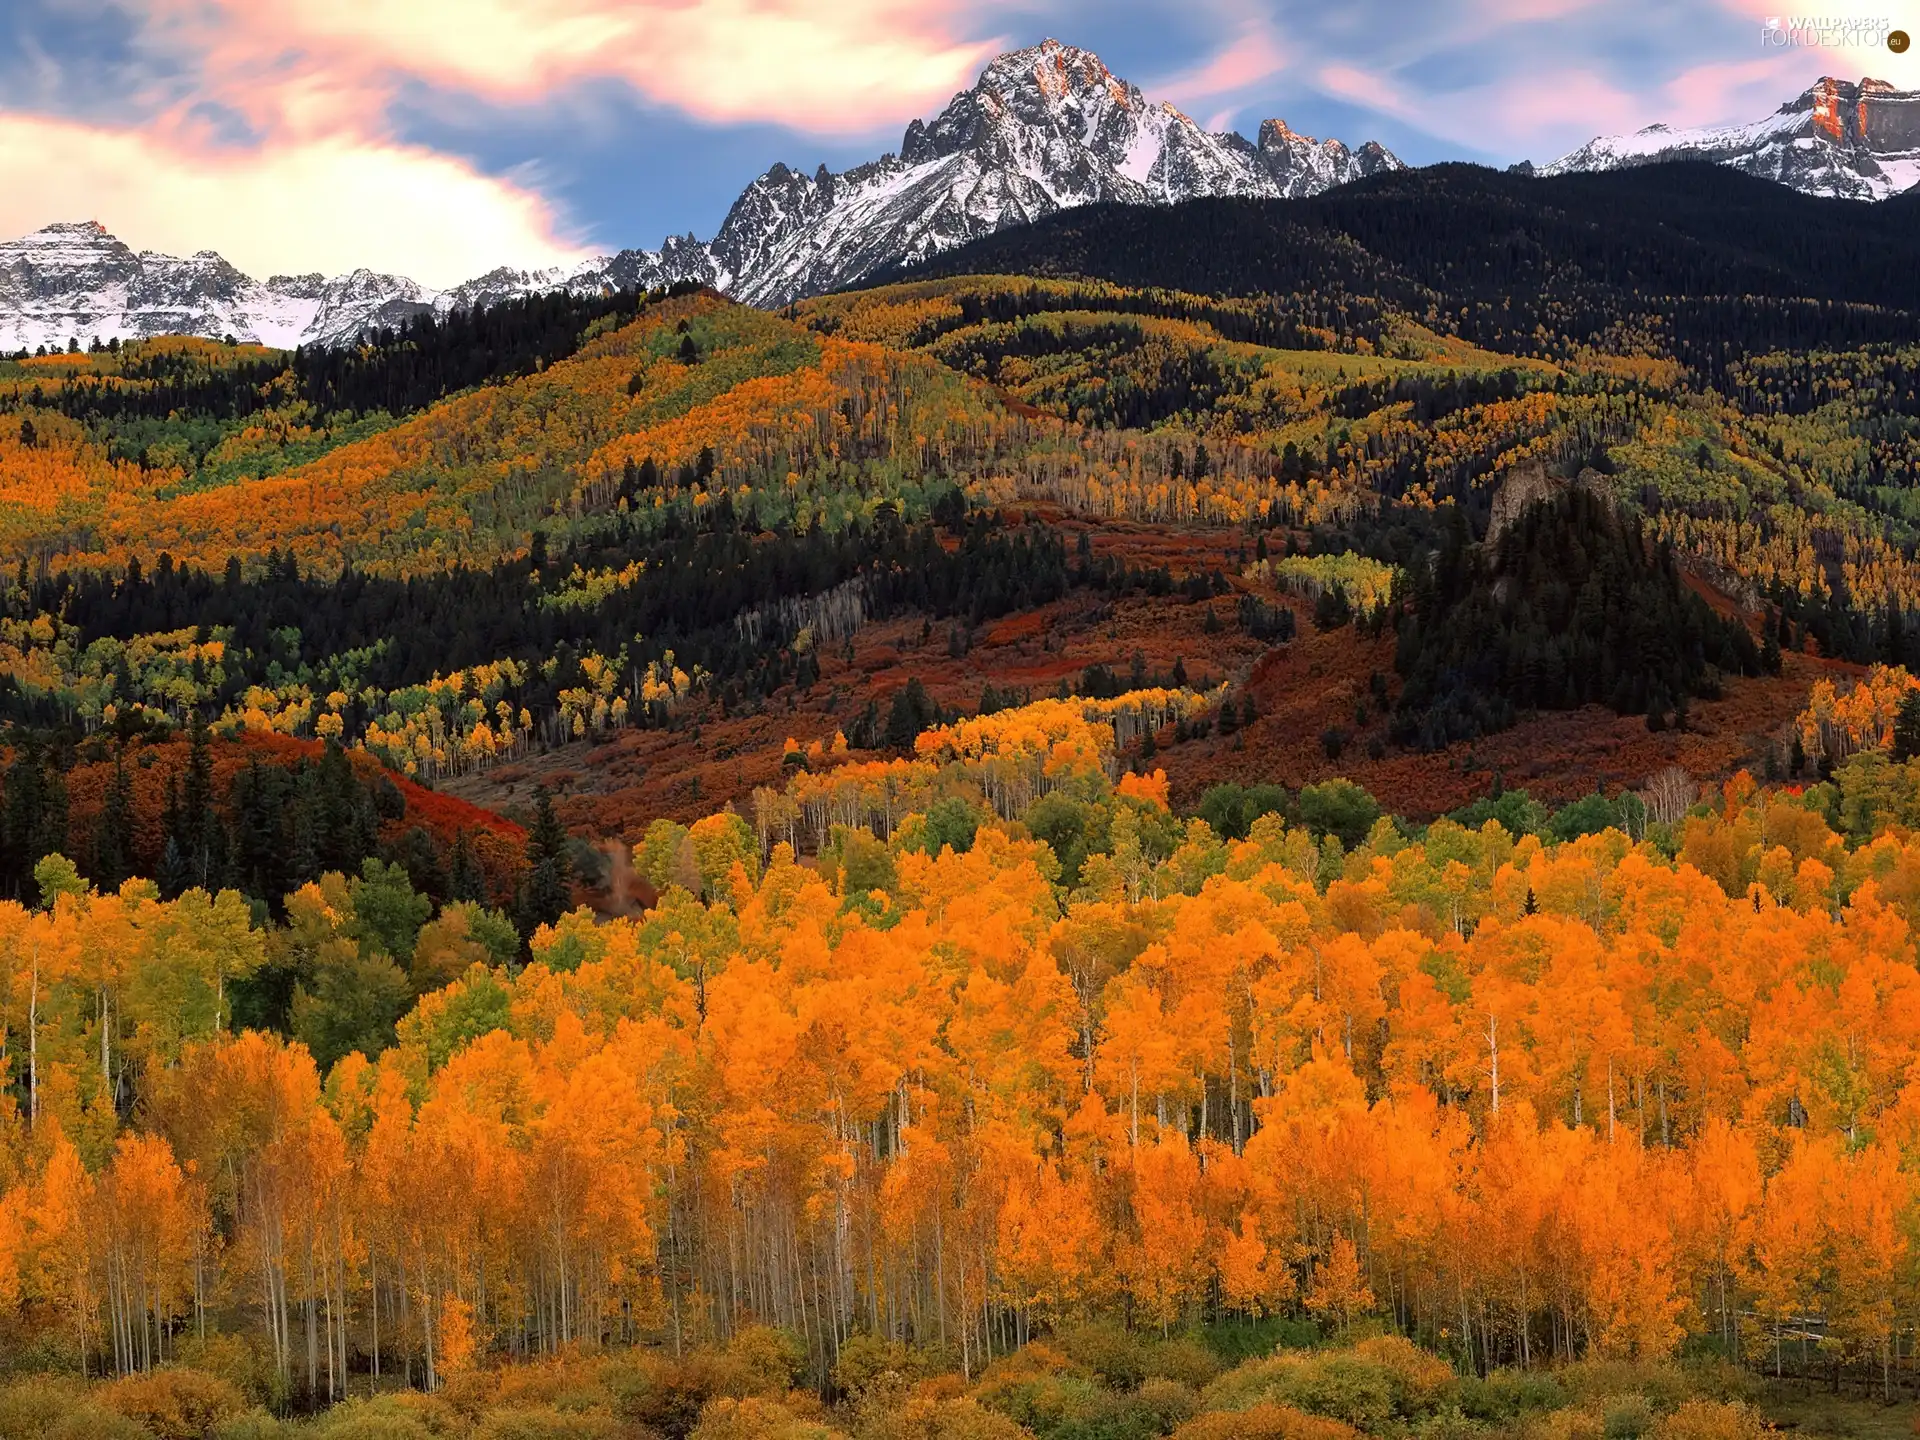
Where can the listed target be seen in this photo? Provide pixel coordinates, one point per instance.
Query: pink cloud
(1721, 91)
(328, 204)
(1551, 113)
(1851, 61)
(1373, 90)
(1566, 102)
(1252, 56)
(1521, 12)
(846, 66)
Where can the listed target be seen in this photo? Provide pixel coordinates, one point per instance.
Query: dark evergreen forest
(1722, 263)
(1571, 606)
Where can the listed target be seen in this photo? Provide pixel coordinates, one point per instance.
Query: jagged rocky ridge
(1044, 129)
(1852, 141)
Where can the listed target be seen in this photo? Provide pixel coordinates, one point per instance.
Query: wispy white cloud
(324, 204)
(845, 66)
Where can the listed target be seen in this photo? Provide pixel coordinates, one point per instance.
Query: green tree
(463, 936)
(113, 832)
(387, 912)
(196, 841)
(1906, 727)
(347, 992)
(1588, 815)
(54, 876)
(466, 880)
(35, 817)
(912, 711)
(548, 891)
(720, 842)
(665, 857)
(1340, 808)
(1332, 609)
(1073, 829)
(349, 1003)
(949, 822)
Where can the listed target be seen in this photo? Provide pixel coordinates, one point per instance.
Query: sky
(440, 138)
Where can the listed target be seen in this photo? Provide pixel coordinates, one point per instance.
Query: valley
(1095, 781)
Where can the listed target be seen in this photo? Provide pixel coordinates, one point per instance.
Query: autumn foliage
(1520, 1101)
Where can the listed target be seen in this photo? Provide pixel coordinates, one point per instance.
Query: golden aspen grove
(931, 1104)
(1169, 824)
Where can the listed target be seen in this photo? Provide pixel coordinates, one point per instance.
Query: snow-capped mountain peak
(1856, 140)
(75, 282)
(1043, 129)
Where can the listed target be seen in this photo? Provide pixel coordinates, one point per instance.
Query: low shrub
(1125, 1358)
(387, 1417)
(241, 1361)
(50, 1409)
(1627, 1417)
(174, 1404)
(253, 1424)
(759, 1418)
(546, 1422)
(866, 1359)
(1376, 1382)
(1264, 1422)
(923, 1415)
(1077, 1407)
(1505, 1395)
(1233, 1341)
(1715, 1420)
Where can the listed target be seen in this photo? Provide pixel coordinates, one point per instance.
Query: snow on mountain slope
(1044, 129)
(75, 282)
(1855, 141)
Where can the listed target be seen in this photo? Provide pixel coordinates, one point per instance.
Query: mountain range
(1851, 141)
(1044, 130)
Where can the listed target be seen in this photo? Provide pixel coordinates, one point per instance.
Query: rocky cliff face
(1855, 141)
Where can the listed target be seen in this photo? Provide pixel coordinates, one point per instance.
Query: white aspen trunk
(1493, 1050)
(1611, 1111)
(426, 1329)
(33, 1061)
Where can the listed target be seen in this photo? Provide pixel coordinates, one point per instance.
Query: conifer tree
(1906, 727)
(29, 822)
(196, 848)
(113, 861)
(549, 885)
(466, 881)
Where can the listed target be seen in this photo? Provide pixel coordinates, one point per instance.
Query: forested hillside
(1722, 263)
(1159, 839)
(1018, 1058)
